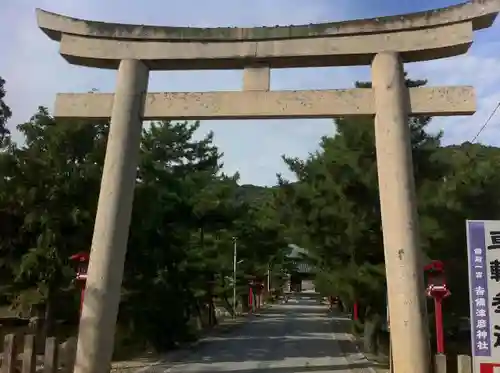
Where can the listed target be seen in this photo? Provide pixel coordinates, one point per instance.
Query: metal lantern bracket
(438, 290)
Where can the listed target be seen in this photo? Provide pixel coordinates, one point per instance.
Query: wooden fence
(464, 364)
(56, 358)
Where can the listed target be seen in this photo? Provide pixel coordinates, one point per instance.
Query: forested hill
(469, 151)
(454, 154)
(254, 193)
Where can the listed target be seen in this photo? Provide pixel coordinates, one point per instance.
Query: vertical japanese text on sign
(494, 264)
(483, 241)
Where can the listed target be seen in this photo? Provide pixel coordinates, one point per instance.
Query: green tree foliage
(5, 114)
(333, 210)
(186, 212)
(469, 190)
(49, 198)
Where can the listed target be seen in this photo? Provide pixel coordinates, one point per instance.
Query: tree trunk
(244, 303)
(49, 321)
(198, 316)
(228, 306)
(344, 306)
(212, 317)
(371, 332)
(37, 327)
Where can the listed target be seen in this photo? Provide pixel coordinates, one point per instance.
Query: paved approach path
(297, 337)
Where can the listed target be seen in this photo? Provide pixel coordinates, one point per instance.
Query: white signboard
(483, 249)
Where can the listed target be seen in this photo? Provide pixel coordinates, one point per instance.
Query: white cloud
(35, 72)
(478, 68)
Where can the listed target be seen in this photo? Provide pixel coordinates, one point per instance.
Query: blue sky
(35, 72)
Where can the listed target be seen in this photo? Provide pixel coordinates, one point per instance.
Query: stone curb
(358, 357)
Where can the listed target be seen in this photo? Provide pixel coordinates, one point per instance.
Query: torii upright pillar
(398, 204)
(109, 243)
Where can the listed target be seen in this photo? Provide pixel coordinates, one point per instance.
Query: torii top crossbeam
(417, 36)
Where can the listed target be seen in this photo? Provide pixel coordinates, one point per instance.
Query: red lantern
(438, 290)
(82, 264)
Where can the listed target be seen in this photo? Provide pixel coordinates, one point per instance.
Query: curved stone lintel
(414, 45)
(480, 12)
(433, 101)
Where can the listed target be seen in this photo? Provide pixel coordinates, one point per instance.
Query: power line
(486, 123)
(483, 127)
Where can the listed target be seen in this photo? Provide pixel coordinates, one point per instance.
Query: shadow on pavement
(298, 337)
(283, 332)
(322, 369)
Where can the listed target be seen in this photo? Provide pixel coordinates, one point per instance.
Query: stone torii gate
(384, 43)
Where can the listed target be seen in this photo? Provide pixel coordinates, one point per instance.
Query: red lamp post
(438, 290)
(82, 264)
(250, 295)
(255, 287)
